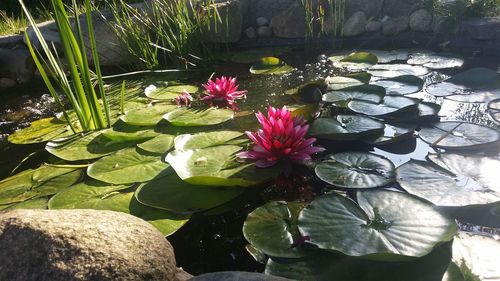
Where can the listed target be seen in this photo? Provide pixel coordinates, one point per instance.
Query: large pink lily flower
(223, 92)
(282, 137)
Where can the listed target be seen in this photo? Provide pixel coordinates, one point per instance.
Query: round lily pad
(148, 116)
(41, 182)
(42, 130)
(270, 229)
(443, 187)
(345, 127)
(392, 133)
(401, 85)
(173, 194)
(128, 133)
(355, 61)
(459, 135)
(389, 105)
(356, 170)
(340, 82)
(370, 93)
(270, 65)
(205, 139)
(385, 224)
(168, 92)
(475, 81)
(128, 166)
(159, 144)
(198, 117)
(426, 112)
(436, 61)
(395, 70)
(390, 56)
(494, 110)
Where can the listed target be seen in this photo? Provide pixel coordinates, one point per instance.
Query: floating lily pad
(392, 133)
(355, 61)
(42, 130)
(205, 139)
(390, 56)
(148, 116)
(386, 224)
(356, 170)
(127, 133)
(159, 144)
(478, 96)
(173, 194)
(443, 187)
(494, 110)
(100, 196)
(251, 56)
(389, 105)
(128, 166)
(270, 65)
(370, 93)
(85, 146)
(217, 166)
(340, 82)
(427, 112)
(41, 182)
(37, 203)
(198, 117)
(436, 61)
(168, 92)
(395, 70)
(345, 127)
(475, 81)
(270, 229)
(401, 85)
(459, 135)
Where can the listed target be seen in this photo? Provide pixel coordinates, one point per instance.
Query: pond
(405, 120)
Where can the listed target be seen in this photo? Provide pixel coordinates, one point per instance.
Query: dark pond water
(213, 242)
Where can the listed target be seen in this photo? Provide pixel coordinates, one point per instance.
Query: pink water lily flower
(184, 99)
(223, 92)
(282, 137)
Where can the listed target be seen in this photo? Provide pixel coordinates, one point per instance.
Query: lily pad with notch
(159, 144)
(341, 82)
(42, 130)
(436, 61)
(390, 105)
(205, 139)
(147, 116)
(189, 117)
(392, 133)
(270, 66)
(401, 85)
(396, 70)
(345, 127)
(168, 92)
(354, 61)
(494, 110)
(370, 93)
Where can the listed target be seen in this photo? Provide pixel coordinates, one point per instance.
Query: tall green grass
(80, 91)
(324, 17)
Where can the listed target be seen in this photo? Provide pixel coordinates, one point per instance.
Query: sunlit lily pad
(251, 56)
(355, 61)
(128, 166)
(204, 140)
(37, 203)
(159, 144)
(173, 194)
(370, 93)
(198, 117)
(41, 182)
(270, 65)
(42, 130)
(390, 56)
(459, 135)
(401, 85)
(217, 166)
(356, 170)
(127, 133)
(443, 187)
(392, 133)
(341, 82)
(395, 70)
(480, 82)
(272, 229)
(385, 224)
(389, 105)
(345, 127)
(147, 116)
(494, 110)
(478, 96)
(100, 196)
(436, 61)
(168, 92)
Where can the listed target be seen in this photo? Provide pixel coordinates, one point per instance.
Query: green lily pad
(392, 133)
(128, 166)
(205, 139)
(385, 225)
(42, 130)
(476, 256)
(427, 112)
(370, 93)
(443, 187)
(101, 196)
(198, 117)
(269, 228)
(37, 203)
(459, 135)
(269, 66)
(390, 56)
(390, 105)
(251, 56)
(345, 127)
(356, 170)
(159, 144)
(168, 92)
(401, 85)
(216, 166)
(355, 61)
(148, 116)
(396, 70)
(172, 194)
(41, 182)
(340, 82)
(85, 146)
(127, 133)
(436, 61)
(475, 81)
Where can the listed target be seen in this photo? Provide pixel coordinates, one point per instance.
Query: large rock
(237, 276)
(373, 26)
(395, 26)
(421, 20)
(16, 64)
(371, 8)
(291, 23)
(265, 8)
(397, 8)
(66, 245)
(355, 25)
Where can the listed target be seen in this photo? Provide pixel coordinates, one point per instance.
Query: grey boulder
(421, 20)
(355, 25)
